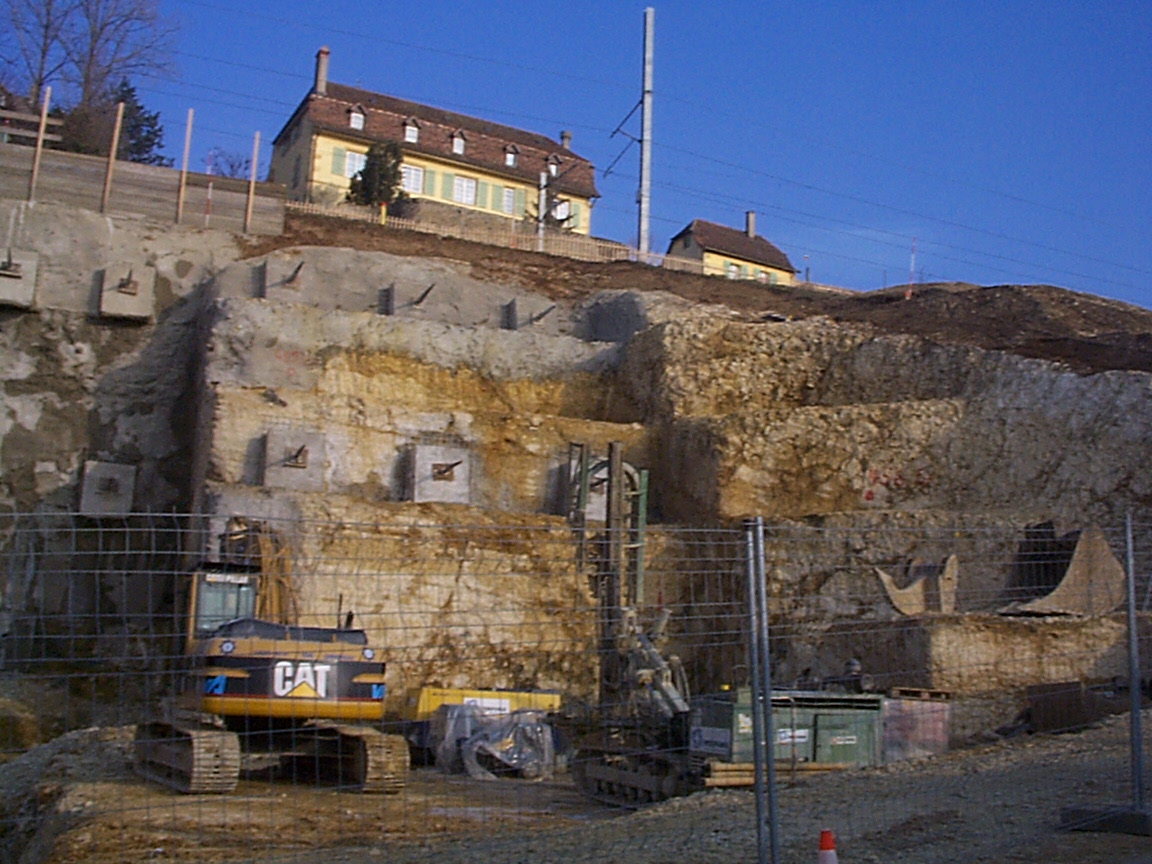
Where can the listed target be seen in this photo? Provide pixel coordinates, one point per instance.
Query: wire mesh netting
(223, 689)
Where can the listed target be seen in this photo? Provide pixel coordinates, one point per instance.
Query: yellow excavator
(259, 693)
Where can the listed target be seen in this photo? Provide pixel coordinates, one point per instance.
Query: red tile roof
(730, 241)
(485, 143)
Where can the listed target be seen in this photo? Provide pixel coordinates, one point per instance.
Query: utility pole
(541, 210)
(645, 193)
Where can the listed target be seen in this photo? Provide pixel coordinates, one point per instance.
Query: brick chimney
(565, 139)
(320, 85)
(750, 223)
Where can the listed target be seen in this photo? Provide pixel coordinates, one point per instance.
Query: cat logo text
(303, 679)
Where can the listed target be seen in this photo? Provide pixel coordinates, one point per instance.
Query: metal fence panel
(93, 634)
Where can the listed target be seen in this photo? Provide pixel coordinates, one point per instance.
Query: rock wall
(810, 417)
(454, 595)
(374, 386)
(76, 385)
(975, 655)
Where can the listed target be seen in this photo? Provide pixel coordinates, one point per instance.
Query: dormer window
(411, 131)
(356, 118)
(553, 165)
(510, 154)
(458, 144)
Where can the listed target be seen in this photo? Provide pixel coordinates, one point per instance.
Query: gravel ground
(990, 803)
(76, 802)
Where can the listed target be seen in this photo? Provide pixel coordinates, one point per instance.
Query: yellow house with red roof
(448, 159)
(725, 251)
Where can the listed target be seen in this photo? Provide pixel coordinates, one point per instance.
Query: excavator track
(188, 758)
(371, 760)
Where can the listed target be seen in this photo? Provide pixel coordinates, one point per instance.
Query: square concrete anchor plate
(296, 459)
(285, 273)
(442, 474)
(107, 489)
(18, 277)
(128, 291)
(1114, 820)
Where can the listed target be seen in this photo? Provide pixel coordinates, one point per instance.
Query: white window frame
(561, 210)
(508, 205)
(411, 133)
(353, 164)
(458, 144)
(510, 159)
(464, 190)
(412, 179)
(356, 120)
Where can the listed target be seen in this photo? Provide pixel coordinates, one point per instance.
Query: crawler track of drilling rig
(629, 771)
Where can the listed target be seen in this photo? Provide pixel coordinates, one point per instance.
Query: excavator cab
(219, 597)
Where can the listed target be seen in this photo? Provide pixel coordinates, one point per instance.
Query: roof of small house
(736, 243)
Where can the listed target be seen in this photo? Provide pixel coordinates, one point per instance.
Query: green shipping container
(829, 728)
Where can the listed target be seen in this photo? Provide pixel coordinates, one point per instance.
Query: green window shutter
(481, 194)
(497, 197)
(518, 207)
(429, 181)
(574, 215)
(446, 186)
(338, 154)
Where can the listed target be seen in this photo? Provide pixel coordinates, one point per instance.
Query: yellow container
(420, 703)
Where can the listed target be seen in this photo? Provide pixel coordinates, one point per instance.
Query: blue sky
(1011, 139)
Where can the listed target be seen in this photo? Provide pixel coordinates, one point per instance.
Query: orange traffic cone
(827, 853)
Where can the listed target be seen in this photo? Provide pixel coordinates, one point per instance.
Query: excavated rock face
(791, 419)
(75, 385)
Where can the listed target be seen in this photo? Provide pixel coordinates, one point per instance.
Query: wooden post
(39, 145)
(252, 183)
(112, 157)
(184, 169)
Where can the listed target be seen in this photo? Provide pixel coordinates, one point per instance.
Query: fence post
(766, 686)
(112, 157)
(184, 169)
(755, 680)
(39, 145)
(1136, 737)
(251, 182)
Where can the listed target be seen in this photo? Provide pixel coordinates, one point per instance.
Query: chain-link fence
(182, 688)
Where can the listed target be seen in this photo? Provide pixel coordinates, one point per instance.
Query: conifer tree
(379, 180)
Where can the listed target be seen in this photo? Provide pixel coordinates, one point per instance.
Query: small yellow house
(735, 254)
(449, 160)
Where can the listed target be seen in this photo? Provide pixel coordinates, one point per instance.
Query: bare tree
(226, 163)
(115, 39)
(34, 42)
(89, 45)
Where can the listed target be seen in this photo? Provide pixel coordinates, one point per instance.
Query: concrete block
(107, 489)
(18, 277)
(128, 291)
(296, 459)
(441, 473)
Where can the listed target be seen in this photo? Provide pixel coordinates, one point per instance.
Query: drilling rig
(633, 748)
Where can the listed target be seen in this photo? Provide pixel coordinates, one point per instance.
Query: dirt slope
(1089, 333)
